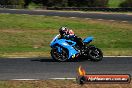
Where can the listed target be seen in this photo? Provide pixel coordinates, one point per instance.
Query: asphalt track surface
(117, 17)
(45, 68)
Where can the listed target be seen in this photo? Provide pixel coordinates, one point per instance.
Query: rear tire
(61, 57)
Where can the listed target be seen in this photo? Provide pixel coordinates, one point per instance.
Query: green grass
(115, 3)
(57, 84)
(26, 35)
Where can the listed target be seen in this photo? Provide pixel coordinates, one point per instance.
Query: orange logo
(101, 78)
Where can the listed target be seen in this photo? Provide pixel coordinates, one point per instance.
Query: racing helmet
(63, 30)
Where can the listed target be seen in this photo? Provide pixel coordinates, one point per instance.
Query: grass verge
(115, 3)
(57, 84)
(26, 35)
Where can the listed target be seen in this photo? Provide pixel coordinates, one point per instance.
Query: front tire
(61, 57)
(95, 54)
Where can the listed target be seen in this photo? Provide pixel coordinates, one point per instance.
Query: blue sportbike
(66, 49)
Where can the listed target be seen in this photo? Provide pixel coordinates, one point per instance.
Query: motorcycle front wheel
(95, 54)
(61, 57)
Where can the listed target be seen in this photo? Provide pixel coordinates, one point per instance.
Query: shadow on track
(48, 59)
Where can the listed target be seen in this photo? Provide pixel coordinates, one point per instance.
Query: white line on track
(73, 17)
(117, 56)
(56, 16)
(124, 21)
(24, 14)
(112, 20)
(63, 78)
(103, 56)
(99, 19)
(41, 15)
(12, 9)
(40, 79)
(87, 18)
(24, 79)
(129, 14)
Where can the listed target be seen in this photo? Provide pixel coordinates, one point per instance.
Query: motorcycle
(65, 49)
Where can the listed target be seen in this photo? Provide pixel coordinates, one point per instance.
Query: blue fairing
(54, 40)
(63, 43)
(88, 39)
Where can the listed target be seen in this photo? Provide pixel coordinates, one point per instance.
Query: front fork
(85, 50)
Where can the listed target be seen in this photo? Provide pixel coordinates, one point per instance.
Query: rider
(69, 34)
